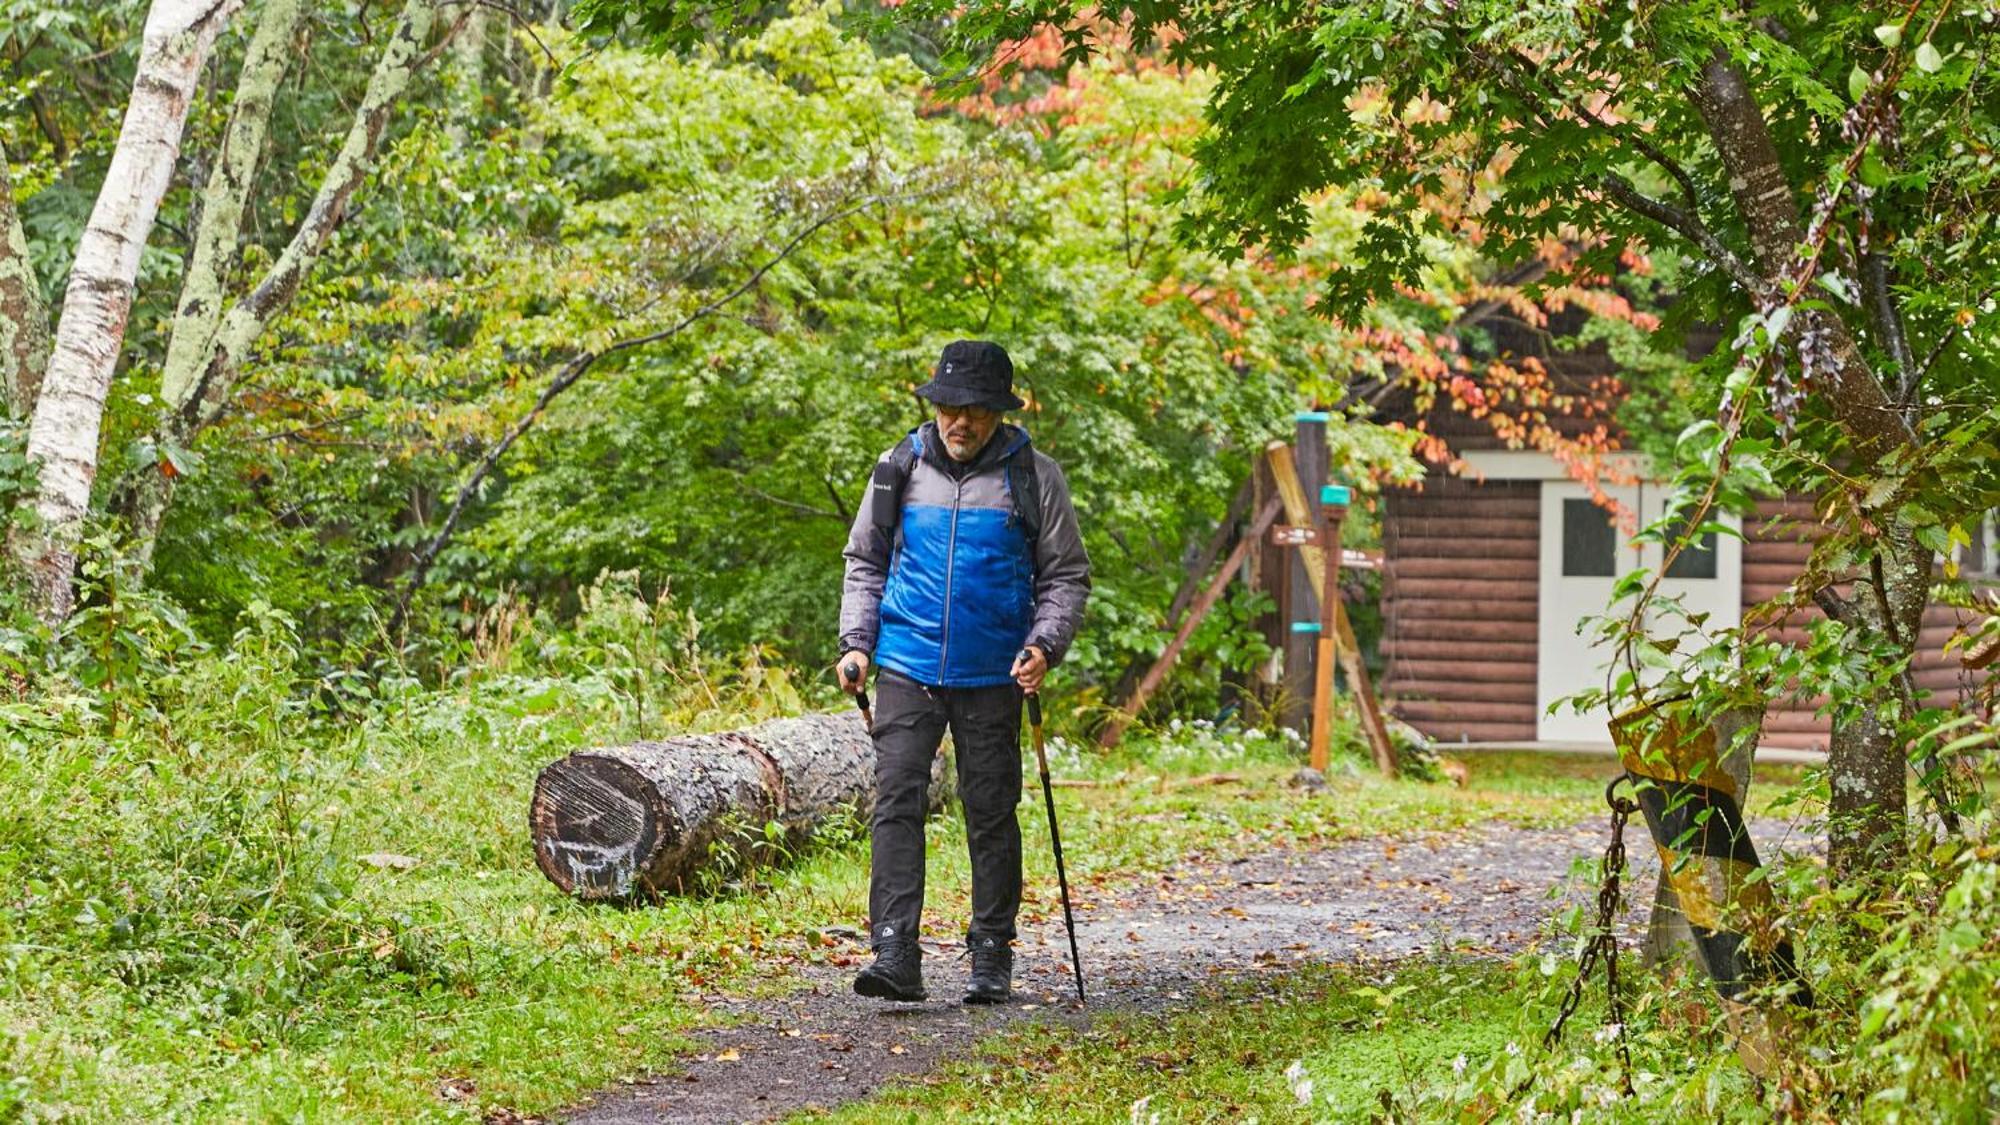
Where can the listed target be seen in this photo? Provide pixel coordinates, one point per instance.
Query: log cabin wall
(1461, 581)
(1459, 588)
(1461, 575)
(1777, 541)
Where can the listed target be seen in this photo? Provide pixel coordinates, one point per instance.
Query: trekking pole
(1055, 835)
(860, 698)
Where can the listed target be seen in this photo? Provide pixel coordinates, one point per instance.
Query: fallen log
(652, 818)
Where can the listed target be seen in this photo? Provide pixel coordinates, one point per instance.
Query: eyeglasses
(969, 413)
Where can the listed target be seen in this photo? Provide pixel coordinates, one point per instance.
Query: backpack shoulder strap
(1025, 486)
(885, 487)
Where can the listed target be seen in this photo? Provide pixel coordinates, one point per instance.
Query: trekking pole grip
(1034, 709)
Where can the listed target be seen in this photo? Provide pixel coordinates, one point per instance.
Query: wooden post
(1332, 509)
(1155, 675)
(1299, 514)
(1300, 602)
(1273, 576)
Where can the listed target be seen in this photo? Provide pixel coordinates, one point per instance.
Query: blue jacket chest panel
(960, 593)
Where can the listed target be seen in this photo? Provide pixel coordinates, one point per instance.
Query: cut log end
(596, 822)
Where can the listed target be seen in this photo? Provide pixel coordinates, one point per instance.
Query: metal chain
(1603, 943)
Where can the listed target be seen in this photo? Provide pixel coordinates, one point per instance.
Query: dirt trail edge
(1146, 944)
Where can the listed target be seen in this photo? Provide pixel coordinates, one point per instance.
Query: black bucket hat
(973, 373)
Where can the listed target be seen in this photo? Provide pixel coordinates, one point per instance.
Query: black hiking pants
(985, 724)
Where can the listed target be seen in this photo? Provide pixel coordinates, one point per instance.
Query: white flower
(1139, 1114)
(1608, 1032)
(1513, 1048)
(1458, 1065)
(1302, 1086)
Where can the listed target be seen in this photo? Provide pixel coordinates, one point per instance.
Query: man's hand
(1029, 668)
(853, 671)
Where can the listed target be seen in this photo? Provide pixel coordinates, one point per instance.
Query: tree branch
(1625, 134)
(743, 482)
(1686, 225)
(1944, 342)
(1686, 221)
(1887, 319)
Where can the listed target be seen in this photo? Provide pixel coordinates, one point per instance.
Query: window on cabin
(1697, 559)
(1589, 541)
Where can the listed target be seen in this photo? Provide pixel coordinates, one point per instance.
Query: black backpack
(892, 475)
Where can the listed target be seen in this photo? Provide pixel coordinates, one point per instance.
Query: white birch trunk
(24, 318)
(218, 238)
(63, 438)
(199, 380)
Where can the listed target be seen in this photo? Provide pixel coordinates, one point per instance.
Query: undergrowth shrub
(201, 838)
(1905, 1027)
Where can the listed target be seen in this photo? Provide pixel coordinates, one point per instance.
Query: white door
(1584, 552)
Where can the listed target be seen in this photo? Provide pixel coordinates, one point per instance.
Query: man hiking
(966, 580)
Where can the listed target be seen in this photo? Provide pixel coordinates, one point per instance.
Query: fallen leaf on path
(731, 1055)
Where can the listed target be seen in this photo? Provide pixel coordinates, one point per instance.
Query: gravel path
(1147, 944)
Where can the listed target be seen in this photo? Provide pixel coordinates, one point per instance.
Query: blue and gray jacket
(957, 590)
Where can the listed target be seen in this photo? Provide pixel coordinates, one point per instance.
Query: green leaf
(1874, 173)
(1928, 59)
(1876, 1014)
(1891, 35)
(1857, 83)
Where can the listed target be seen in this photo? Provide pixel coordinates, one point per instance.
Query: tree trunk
(200, 376)
(1865, 763)
(653, 818)
(218, 238)
(465, 79)
(69, 413)
(24, 318)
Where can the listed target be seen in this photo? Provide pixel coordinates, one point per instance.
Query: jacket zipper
(950, 551)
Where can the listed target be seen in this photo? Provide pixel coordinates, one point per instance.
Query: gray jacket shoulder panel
(1062, 566)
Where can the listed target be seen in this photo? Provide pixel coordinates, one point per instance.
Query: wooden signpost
(1319, 547)
(1334, 636)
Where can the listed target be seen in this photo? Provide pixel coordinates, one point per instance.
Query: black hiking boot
(897, 974)
(992, 971)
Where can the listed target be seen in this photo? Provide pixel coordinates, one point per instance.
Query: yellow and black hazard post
(1692, 810)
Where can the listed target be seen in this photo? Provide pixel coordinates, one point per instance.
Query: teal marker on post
(1305, 626)
(1336, 494)
(1310, 416)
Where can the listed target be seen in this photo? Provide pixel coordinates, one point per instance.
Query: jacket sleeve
(1062, 569)
(867, 557)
